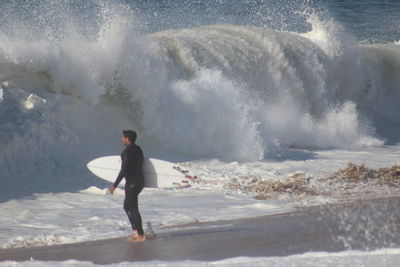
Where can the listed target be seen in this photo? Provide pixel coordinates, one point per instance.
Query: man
(131, 169)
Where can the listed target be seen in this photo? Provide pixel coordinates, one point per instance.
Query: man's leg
(128, 212)
(131, 208)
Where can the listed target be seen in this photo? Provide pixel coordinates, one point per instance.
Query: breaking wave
(226, 91)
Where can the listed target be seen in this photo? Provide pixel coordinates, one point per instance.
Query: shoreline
(292, 209)
(307, 229)
(268, 208)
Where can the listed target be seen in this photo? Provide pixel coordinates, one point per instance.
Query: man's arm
(121, 174)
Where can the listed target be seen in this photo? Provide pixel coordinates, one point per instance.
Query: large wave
(226, 91)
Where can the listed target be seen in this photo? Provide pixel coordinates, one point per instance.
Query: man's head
(128, 137)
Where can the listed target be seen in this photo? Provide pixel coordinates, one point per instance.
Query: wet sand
(360, 225)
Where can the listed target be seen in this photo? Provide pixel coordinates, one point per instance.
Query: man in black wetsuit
(131, 169)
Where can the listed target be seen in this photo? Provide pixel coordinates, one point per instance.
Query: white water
(384, 257)
(49, 219)
(231, 92)
(89, 214)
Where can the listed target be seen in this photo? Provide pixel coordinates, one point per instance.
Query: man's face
(125, 141)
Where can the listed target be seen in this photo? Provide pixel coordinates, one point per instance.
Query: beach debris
(267, 188)
(359, 173)
(351, 180)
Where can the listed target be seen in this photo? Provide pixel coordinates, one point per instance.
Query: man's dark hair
(130, 134)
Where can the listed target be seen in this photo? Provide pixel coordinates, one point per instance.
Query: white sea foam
(91, 214)
(49, 219)
(383, 257)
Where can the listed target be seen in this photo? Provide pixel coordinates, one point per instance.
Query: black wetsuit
(131, 168)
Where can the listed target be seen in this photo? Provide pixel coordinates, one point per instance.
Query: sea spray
(226, 91)
(369, 230)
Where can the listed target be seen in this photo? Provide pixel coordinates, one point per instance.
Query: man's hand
(111, 189)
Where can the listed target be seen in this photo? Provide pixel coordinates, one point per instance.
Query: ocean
(365, 20)
(227, 89)
(236, 81)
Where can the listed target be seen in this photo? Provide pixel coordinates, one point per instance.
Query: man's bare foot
(140, 238)
(135, 234)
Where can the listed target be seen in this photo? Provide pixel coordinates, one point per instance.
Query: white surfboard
(157, 173)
